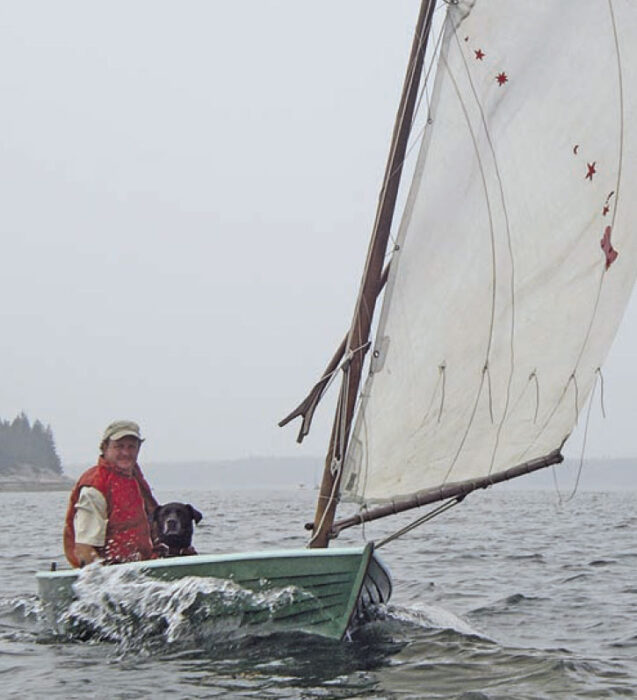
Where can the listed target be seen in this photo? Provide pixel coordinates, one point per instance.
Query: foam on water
(563, 628)
(140, 613)
(433, 617)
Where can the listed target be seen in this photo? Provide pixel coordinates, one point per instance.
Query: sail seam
(479, 160)
(507, 229)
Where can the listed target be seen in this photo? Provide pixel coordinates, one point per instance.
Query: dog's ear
(156, 514)
(195, 514)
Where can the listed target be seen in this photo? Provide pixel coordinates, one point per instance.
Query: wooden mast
(358, 338)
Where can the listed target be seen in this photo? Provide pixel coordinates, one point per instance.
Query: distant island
(28, 457)
(29, 462)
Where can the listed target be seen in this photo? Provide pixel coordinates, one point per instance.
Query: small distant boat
(334, 588)
(502, 289)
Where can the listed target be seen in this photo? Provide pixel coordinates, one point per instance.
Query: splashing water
(432, 617)
(141, 614)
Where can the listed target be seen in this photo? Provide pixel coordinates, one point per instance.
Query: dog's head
(174, 523)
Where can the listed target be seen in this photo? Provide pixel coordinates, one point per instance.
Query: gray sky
(187, 191)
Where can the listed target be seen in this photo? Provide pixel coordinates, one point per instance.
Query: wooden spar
(307, 407)
(370, 286)
(458, 489)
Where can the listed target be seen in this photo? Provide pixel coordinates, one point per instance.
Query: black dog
(173, 528)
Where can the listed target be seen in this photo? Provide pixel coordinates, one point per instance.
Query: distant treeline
(24, 444)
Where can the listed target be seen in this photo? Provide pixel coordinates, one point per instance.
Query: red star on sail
(501, 78)
(591, 170)
(610, 253)
(479, 54)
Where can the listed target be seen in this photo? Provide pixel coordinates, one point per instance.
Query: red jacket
(130, 506)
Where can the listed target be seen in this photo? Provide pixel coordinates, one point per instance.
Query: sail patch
(610, 253)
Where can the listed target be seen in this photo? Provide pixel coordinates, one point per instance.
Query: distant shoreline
(17, 487)
(35, 482)
(305, 472)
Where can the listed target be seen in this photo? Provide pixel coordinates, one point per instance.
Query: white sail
(517, 251)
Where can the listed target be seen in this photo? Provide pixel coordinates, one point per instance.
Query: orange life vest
(130, 506)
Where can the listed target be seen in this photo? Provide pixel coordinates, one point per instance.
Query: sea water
(511, 594)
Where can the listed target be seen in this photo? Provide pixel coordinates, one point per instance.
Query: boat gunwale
(203, 559)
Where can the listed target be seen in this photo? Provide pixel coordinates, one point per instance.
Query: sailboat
(499, 293)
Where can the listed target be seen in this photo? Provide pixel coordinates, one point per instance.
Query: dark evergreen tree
(23, 444)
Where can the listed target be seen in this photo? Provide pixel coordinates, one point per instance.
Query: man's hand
(85, 554)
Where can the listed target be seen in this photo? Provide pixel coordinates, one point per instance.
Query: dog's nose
(171, 525)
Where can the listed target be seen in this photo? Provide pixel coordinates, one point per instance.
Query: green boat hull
(335, 588)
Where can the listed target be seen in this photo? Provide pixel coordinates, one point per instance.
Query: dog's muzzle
(172, 526)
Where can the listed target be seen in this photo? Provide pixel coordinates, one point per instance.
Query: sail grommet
(379, 354)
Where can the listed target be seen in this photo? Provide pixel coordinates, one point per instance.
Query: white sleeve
(90, 517)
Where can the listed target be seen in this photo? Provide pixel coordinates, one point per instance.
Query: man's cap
(122, 428)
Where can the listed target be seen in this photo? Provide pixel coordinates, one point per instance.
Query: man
(111, 505)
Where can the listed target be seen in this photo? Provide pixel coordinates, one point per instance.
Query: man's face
(123, 452)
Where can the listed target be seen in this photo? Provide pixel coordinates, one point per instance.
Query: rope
(533, 375)
(486, 371)
(423, 519)
(601, 396)
(581, 460)
(339, 444)
(442, 369)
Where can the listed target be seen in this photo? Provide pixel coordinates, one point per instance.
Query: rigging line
(419, 521)
(507, 227)
(317, 530)
(328, 378)
(463, 439)
(531, 378)
(416, 139)
(364, 466)
(389, 174)
(342, 437)
(408, 209)
(336, 460)
(556, 485)
(581, 460)
(423, 90)
(442, 368)
(339, 447)
(576, 397)
(550, 415)
(337, 453)
(601, 395)
(353, 352)
(490, 394)
(439, 381)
